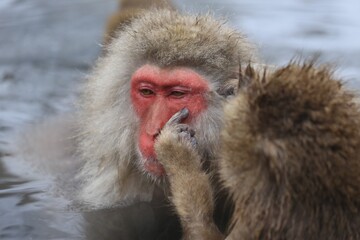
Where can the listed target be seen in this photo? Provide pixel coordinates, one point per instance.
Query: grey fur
(107, 121)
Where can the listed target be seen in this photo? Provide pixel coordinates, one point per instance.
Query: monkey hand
(176, 146)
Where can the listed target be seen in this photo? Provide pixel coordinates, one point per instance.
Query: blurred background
(47, 48)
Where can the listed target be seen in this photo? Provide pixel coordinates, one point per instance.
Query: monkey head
(160, 63)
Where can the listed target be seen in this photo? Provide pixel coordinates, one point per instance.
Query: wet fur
(289, 158)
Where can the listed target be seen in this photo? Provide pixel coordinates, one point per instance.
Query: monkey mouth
(153, 167)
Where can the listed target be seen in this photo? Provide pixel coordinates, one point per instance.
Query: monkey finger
(189, 137)
(185, 135)
(193, 142)
(185, 128)
(182, 128)
(178, 117)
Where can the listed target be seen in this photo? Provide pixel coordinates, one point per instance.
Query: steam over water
(48, 47)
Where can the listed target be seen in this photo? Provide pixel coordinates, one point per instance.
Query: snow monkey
(128, 10)
(160, 64)
(290, 157)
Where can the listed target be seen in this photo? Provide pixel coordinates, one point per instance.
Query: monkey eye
(146, 92)
(177, 94)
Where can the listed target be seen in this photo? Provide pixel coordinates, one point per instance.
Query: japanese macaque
(290, 152)
(104, 156)
(159, 64)
(128, 10)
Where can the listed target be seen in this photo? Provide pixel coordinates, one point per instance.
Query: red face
(156, 95)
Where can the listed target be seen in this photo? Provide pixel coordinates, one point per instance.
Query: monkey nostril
(156, 134)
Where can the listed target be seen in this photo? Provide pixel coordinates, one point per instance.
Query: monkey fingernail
(184, 113)
(183, 128)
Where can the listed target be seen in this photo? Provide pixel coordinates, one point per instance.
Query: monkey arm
(190, 186)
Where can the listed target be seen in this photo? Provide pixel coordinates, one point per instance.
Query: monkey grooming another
(289, 157)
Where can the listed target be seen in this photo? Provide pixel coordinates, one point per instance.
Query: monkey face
(157, 94)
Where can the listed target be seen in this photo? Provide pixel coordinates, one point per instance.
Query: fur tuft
(291, 149)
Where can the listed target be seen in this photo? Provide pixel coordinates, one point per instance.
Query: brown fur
(290, 158)
(127, 11)
(194, 205)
